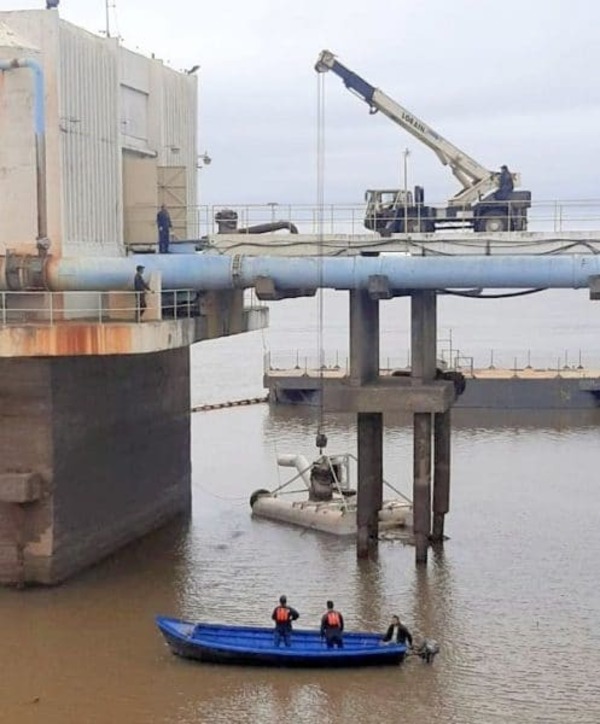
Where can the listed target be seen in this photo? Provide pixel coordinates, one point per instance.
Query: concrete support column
(441, 474)
(364, 368)
(422, 484)
(94, 453)
(423, 369)
(364, 338)
(370, 481)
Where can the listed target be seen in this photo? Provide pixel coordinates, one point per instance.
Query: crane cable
(321, 438)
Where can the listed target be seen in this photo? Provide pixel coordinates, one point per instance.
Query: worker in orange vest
(332, 627)
(283, 615)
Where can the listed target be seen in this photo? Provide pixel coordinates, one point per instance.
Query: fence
(543, 216)
(311, 362)
(36, 308)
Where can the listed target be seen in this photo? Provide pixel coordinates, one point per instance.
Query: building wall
(101, 101)
(90, 143)
(38, 34)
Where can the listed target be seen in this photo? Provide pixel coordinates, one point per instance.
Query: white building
(120, 138)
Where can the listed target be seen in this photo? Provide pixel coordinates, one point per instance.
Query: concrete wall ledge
(430, 397)
(20, 487)
(77, 338)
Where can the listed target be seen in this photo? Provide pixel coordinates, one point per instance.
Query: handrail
(54, 308)
(550, 215)
(337, 363)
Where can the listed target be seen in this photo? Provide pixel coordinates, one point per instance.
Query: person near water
(332, 627)
(283, 615)
(397, 633)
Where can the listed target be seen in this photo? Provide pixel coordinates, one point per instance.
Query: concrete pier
(370, 396)
(95, 431)
(441, 473)
(364, 369)
(423, 370)
(94, 453)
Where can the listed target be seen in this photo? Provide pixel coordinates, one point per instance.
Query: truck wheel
(492, 223)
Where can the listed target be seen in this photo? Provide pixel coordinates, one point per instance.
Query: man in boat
(283, 615)
(332, 627)
(397, 633)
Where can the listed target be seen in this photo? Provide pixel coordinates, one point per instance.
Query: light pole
(405, 154)
(203, 160)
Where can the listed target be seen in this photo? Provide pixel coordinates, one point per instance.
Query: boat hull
(329, 517)
(253, 646)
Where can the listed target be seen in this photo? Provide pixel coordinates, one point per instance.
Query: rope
(235, 499)
(321, 237)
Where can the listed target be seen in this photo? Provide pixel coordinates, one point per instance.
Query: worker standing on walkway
(283, 615)
(332, 627)
(140, 286)
(163, 222)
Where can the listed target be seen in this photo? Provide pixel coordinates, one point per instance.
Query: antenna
(108, 6)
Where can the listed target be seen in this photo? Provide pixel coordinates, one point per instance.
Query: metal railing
(518, 361)
(553, 216)
(543, 216)
(50, 308)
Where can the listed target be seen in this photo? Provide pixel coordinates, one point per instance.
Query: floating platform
(497, 389)
(327, 503)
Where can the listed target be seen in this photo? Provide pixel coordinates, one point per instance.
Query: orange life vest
(333, 619)
(282, 614)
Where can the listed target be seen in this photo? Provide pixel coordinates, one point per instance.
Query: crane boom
(476, 180)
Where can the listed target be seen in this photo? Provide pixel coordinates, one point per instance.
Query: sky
(508, 82)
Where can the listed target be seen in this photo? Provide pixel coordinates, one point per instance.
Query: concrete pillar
(94, 452)
(364, 368)
(370, 481)
(364, 338)
(422, 483)
(423, 369)
(441, 474)
(223, 312)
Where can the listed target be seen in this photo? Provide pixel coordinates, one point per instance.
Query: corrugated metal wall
(101, 101)
(90, 148)
(178, 137)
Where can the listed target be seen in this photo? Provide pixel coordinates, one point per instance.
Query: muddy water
(514, 599)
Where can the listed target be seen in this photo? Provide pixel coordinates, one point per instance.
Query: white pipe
(296, 461)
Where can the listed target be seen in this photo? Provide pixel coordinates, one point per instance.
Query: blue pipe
(210, 271)
(39, 118)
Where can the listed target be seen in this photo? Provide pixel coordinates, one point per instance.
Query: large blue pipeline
(211, 271)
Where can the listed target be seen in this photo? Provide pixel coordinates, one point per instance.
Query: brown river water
(513, 600)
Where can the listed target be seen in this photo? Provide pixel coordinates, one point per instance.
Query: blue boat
(248, 645)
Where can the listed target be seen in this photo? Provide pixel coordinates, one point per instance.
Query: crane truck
(487, 201)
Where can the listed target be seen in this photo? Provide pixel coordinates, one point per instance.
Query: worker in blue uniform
(163, 222)
(505, 185)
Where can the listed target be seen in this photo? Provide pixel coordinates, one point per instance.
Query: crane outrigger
(485, 202)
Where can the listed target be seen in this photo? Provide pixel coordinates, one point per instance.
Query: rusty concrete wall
(111, 437)
(121, 451)
(25, 446)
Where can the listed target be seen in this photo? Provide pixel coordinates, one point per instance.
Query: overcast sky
(512, 81)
